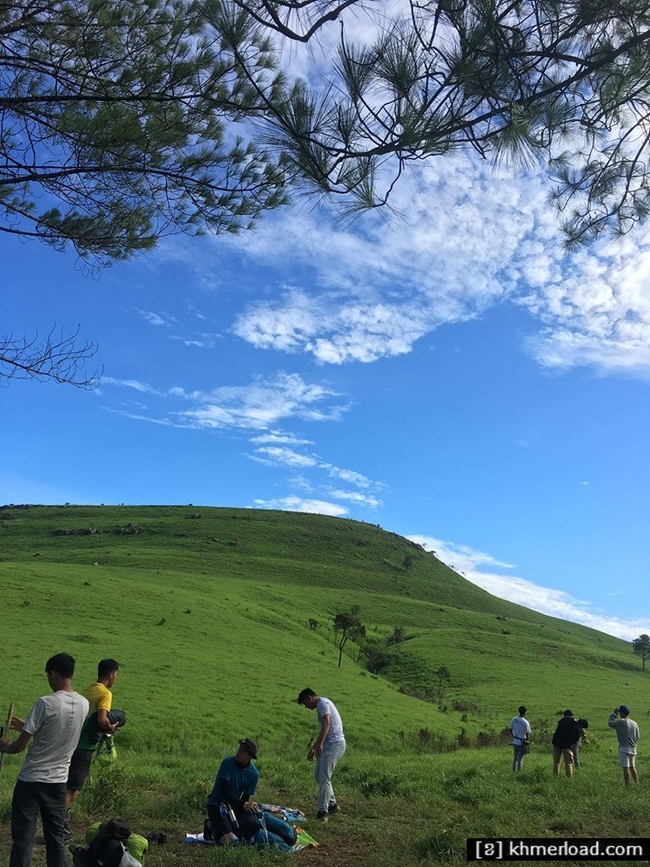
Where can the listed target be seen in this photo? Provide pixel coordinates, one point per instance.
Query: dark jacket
(566, 733)
(92, 729)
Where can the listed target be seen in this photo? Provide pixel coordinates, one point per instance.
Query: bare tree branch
(60, 357)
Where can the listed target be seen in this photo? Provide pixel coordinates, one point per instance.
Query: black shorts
(79, 769)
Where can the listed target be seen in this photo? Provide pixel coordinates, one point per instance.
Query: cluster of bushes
(127, 530)
(426, 741)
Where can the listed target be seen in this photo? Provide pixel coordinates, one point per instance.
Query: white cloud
(465, 241)
(277, 438)
(297, 504)
(257, 406)
(555, 603)
(351, 477)
(202, 341)
(265, 402)
(274, 455)
(155, 318)
(134, 384)
(285, 457)
(255, 410)
(352, 332)
(355, 497)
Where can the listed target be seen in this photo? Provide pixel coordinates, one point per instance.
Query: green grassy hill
(208, 611)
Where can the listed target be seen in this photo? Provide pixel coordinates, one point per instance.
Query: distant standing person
(53, 726)
(566, 735)
(627, 732)
(520, 731)
(583, 725)
(327, 749)
(100, 697)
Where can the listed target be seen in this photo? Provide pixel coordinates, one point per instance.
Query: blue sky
(449, 373)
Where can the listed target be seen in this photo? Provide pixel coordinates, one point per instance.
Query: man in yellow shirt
(100, 698)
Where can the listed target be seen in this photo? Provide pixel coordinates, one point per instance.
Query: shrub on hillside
(463, 706)
(417, 693)
(492, 738)
(375, 654)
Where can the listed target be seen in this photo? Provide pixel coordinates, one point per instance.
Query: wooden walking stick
(5, 732)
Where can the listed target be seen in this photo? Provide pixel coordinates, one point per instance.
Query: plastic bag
(106, 752)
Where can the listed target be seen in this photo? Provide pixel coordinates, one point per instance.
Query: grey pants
(325, 764)
(518, 758)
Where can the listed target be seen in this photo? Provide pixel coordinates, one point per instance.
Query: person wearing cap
(327, 749)
(566, 734)
(627, 732)
(232, 817)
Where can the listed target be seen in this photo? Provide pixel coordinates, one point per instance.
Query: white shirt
(54, 723)
(324, 707)
(519, 727)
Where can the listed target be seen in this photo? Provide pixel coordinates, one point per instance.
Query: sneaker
(333, 808)
(321, 816)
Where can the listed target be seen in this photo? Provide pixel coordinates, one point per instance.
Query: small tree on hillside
(641, 647)
(376, 655)
(397, 637)
(347, 626)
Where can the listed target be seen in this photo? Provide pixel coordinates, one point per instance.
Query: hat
(623, 709)
(249, 745)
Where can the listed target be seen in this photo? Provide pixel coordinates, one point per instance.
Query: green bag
(106, 753)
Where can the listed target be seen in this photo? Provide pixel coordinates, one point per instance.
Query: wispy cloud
(285, 457)
(351, 477)
(298, 504)
(556, 603)
(202, 341)
(277, 438)
(260, 405)
(156, 319)
(134, 384)
(255, 411)
(264, 403)
(356, 498)
(289, 458)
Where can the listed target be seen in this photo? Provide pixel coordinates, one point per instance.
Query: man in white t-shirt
(627, 732)
(53, 726)
(327, 749)
(520, 731)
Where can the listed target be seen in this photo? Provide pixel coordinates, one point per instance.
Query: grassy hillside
(208, 612)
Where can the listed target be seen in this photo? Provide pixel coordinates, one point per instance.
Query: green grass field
(208, 611)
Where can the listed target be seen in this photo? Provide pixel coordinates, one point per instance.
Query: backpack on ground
(107, 849)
